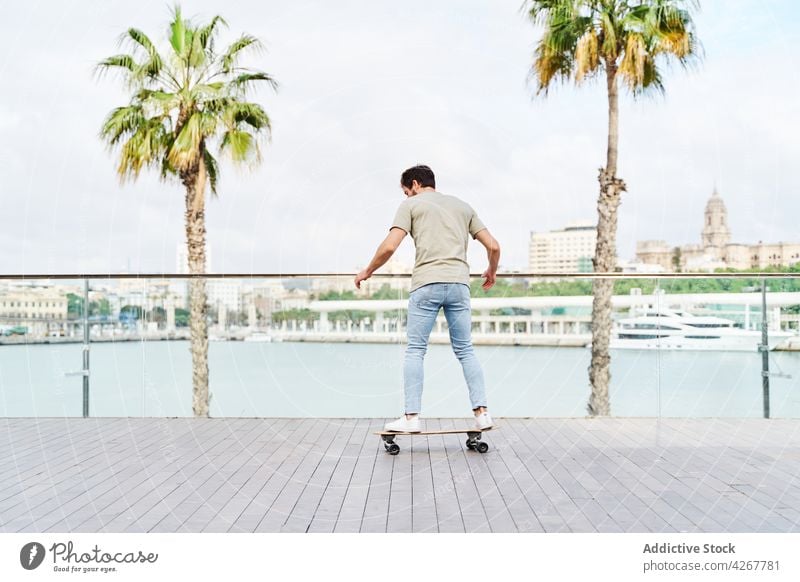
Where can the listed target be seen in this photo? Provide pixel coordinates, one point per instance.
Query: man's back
(441, 226)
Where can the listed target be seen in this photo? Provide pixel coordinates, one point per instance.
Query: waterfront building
(569, 250)
(716, 249)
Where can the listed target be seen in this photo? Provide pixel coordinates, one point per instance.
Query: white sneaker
(483, 421)
(403, 424)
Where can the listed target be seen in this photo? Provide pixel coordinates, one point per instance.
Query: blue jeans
(423, 307)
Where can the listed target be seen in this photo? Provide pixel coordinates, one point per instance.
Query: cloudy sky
(368, 88)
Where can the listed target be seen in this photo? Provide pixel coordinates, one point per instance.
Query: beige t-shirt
(440, 226)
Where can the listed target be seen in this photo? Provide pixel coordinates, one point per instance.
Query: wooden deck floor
(332, 475)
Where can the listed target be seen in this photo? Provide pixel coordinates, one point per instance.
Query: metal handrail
(670, 275)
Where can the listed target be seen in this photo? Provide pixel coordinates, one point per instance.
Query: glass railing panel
(709, 342)
(317, 347)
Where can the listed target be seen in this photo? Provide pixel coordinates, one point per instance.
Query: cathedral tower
(715, 226)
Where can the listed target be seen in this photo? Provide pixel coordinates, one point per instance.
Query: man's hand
(489, 275)
(493, 252)
(362, 276)
(384, 252)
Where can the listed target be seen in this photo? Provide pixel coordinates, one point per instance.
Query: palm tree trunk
(195, 182)
(608, 201)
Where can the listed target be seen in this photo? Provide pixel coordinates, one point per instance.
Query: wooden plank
(326, 516)
(214, 484)
(469, 496)
(74, 497)
(307, 505)
(498, 516)
(58, 456)
(376, 508)
(258, 494)
(120, 509)
(717, 477)
(559, 513)
(502, 463)
(448, 510)
(398, 519)
(424, 518)
(246, 509)
(352, 510)
(307, 458)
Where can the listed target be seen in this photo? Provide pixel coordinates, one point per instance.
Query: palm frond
(204, 92)
(631, 67)
(185, 150)
(208, 32)
(157, 103)
(155, 95)
(251, 114)
(140, 38)
(209, 122)
(611, 44)
(178, 36)
(166, 169)
(587, 55)
(652, 77)
(542, 12)
(241, 145)
(243, 81)
(216, 105)
(144, 148)
(118, 61)
(212, 170)
(154, 63)
(231, 56)
(561, 45)
(549, 65)
(122, 121)
(197, 53)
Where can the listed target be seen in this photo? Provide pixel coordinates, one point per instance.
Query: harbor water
(299, 379)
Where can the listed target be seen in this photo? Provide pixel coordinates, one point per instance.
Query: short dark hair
(422, 174)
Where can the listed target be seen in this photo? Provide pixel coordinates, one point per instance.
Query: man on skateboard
(441, 226)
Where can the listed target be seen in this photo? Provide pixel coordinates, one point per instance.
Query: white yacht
(671, 329)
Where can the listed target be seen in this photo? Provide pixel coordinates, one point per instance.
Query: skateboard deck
(474, 441)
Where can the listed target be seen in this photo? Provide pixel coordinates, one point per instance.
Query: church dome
(715, 203)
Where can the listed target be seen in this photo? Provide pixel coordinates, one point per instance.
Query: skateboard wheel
(393, 449)
(482, 447)
(470, 444)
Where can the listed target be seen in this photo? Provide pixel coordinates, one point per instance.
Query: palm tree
(185, 102)
(626, 39)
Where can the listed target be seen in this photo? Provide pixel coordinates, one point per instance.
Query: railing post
(86, 348)
(764, 347)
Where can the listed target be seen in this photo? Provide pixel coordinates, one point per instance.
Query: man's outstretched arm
(383, 254)
(493, 254)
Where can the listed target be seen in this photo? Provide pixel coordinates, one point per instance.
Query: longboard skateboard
(474, 441)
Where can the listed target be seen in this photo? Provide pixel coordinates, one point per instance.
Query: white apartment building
(569, 250)
(30, 303)
(227, 292)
